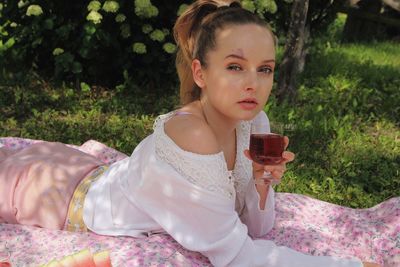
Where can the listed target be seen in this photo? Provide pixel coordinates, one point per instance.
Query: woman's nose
(251, 81)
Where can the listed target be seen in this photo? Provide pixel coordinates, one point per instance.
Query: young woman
(193, 177)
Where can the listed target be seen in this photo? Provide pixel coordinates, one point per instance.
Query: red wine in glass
(266, 149)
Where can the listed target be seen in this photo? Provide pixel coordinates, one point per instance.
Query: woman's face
(238, 77)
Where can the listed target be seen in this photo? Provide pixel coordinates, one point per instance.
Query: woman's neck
(222, 126)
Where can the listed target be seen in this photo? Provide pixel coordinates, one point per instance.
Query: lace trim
(207, 171)
(243, 170)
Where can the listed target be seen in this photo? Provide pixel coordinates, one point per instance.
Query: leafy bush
(94, 41)
(98, 42)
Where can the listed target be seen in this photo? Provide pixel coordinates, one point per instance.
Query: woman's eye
(266, 70)
(234, 67)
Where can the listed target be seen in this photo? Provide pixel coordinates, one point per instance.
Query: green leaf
(48, 24)
(8, 44)
(64, 31)
(90, 29)
(37, 42)
(125, 30)
(76, 67)
(85, 87)
(84, 52)
(355, 103)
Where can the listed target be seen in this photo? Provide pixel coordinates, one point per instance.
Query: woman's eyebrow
(236, 56)
(243, 58)
(269, 61)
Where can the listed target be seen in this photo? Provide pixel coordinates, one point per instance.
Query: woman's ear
(198, 73)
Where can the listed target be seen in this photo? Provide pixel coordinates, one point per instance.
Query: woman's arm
(203, 221)
(258, 221)
(201, 218)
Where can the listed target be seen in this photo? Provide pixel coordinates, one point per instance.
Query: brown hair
(194, 32)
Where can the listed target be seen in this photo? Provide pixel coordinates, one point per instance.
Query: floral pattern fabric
(305, 224)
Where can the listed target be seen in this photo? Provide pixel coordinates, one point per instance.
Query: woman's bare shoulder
(191, 133)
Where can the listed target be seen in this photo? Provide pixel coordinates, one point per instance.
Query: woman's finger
(255, 164)
(285, 141)
(277, 174)
(247, 154)
(288, 156)
(272, 168)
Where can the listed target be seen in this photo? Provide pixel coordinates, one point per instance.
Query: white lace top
(196, 200)
(209, 172)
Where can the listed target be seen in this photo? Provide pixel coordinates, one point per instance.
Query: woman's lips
(248, 103)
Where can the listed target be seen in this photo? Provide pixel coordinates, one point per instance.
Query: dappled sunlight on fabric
(320, 228)
(168, 189)
(40, 186)
(305, 224)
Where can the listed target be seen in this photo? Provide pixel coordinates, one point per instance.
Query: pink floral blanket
(302, 223)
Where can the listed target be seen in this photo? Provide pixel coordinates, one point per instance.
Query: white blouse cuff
(253, 199)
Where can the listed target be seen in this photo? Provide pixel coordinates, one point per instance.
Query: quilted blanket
(305, 224)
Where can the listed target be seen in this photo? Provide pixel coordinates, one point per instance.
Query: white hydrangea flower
(147, 28)
(139, 48)
(144, 9)
(22, 3)
(94, 6)
(170, 48)
(249, 5)
(120, 18)
(94, 17)
(181, 9)
(267, 5)
(157, 35)
(58, 51)
(34, 10)
(110, 6)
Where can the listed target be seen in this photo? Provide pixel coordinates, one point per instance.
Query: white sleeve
(206, 222)
(259, 222)
(262, 119)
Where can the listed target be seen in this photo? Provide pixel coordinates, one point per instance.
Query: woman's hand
(276, 171)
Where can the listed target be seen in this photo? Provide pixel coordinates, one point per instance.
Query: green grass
(344, 126)
(379, 53)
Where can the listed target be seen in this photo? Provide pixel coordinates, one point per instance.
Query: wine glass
(266, 147)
